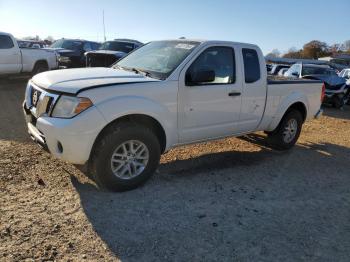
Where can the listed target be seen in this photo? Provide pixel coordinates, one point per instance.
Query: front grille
(39, 101)
(34, 96)
(100, 60)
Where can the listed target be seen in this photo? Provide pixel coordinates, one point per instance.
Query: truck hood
(107, 52)
(63, 52)
(74, 80)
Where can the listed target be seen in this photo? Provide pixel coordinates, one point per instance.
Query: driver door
(209, 109)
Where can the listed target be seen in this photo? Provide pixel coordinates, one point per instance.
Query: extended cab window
(220, 60)
(251, 65)
(5, 42)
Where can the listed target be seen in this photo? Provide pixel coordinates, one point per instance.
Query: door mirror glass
(199, 77)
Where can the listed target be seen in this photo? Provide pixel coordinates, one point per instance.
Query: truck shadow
(229, 206)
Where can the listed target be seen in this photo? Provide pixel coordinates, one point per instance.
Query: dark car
(72, 51)
(110, 52)
(336, 89)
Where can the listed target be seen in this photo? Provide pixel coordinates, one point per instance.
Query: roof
(72, 39)
(213, 42)
(336, 56)
(127, 40)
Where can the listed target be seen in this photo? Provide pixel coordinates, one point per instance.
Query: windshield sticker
(184, 46)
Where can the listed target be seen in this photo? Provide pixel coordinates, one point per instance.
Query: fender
(130, 105)
(293, 98)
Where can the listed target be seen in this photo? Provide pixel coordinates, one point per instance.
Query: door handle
(234, 94)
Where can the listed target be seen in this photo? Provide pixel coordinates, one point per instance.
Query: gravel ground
(229, 200)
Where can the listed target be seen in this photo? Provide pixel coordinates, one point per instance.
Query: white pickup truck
(16, 60)
(119, 120)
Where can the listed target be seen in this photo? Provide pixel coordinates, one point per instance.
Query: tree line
(313, 50)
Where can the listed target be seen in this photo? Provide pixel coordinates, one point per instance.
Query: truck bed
(281, 91)
(274, 79)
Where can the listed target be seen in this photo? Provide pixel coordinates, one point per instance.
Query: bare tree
(274, 53)
(49, 38)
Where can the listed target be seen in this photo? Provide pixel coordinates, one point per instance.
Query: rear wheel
(39, 68)
(125, 157)
(288, 131)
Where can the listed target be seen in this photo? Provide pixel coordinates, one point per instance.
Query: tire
(281, 141)
(111, 145)
(39, 68)
(338, 102)
(347, 97)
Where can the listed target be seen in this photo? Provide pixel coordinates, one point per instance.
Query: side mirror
(295, 74)
(203, 76)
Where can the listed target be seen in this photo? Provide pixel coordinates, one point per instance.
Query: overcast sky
(269, 23)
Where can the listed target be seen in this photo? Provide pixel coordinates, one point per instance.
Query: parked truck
(16, 60)
(119, 120)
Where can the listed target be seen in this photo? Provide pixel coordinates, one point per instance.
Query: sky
(268, 23)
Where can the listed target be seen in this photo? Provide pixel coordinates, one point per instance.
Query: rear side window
(251, 65)
(5, 42)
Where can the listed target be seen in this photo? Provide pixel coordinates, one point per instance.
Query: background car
(337, 90)
(30, 44)
(276, 68)
(110, 52)
(72, 51)
(282, 71)
(345, 73)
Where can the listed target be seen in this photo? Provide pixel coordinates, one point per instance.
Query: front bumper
(68, 139)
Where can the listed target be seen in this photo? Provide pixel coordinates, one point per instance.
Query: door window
(6, 42)
(219, 59)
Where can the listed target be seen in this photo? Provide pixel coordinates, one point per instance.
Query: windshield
(308, 70)
(159, 58)
(117, 46)
(67, 44)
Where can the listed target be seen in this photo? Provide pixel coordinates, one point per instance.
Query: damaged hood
(74, 80)
(332, 80)
(107, 52)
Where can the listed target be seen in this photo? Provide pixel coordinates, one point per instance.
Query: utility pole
(103, 21)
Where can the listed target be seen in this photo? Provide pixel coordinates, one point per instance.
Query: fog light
(59, 147)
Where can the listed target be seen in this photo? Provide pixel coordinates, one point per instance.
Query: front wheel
(288, 131)
(125, 157)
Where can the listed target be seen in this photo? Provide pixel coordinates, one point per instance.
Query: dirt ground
(228, 200)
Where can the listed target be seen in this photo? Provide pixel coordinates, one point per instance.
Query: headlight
(69, 106)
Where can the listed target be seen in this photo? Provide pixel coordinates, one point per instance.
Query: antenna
(103, 21)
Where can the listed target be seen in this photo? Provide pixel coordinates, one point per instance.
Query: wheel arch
(40, 62)
(298, 105)
(142, 119)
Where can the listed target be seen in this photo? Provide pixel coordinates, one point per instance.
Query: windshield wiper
(138, 71)
(119, 67)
